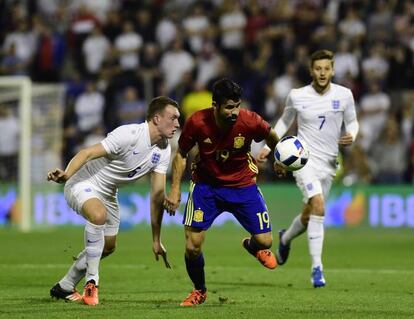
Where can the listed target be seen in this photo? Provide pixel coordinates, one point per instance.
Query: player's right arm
(281, 127)
(81, 158)
(186, 142)
(172, 200)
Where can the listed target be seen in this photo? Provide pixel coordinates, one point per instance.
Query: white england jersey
(320, 119)
(130, 156)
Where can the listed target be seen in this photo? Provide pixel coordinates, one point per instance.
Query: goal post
(39, 109)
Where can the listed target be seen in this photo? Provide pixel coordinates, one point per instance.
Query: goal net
(31, 130)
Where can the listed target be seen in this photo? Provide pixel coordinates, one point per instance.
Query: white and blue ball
(291, 153)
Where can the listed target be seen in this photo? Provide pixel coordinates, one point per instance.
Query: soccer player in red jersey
(223, 179)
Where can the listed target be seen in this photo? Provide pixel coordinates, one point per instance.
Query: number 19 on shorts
(264, 220)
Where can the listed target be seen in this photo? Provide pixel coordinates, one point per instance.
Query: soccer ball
(291, 153)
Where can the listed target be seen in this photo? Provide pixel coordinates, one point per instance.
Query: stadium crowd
(113, 56)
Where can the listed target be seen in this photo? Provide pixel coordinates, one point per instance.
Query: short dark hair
(225, 89)
(321, 55)
(158, 105)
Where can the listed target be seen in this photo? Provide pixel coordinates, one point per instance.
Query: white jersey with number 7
(320, 119)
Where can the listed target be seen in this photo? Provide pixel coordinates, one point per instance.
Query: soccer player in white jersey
(321, 108)
(92, 179)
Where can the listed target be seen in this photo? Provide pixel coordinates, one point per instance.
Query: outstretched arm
(80, 159)
(172, 201)
(281, 127)
(157, 210)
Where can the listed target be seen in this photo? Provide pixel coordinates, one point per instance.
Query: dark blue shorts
(206, 202)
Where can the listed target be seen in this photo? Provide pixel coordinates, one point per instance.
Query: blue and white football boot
(317, 279)
(282, 252)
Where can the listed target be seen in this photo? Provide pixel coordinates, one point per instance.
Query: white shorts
(313, 180)
(77, 193)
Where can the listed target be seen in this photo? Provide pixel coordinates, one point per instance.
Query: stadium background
(109, 58)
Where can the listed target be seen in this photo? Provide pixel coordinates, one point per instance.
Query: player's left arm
(351, 124)
(272, 139)
(157, 210)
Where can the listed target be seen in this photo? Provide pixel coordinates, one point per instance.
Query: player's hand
(262, 155)
(158, 250)
(346, 139)
(172, 201)
(57, 175)
(279, 170)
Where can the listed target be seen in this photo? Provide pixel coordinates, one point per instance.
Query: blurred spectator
(232, 24)
(374, 107)
(100, 8)
(11, 64)
(131, 108)
(352, 28)
(357, 169)
(346, 63)
(273, 106)
(83, 22)
(95, 48)
(195, 26)
(89, 108)
(113, 26)
(379, 25)
(306, 18)
(50, 55)
(257, 20)
(389, 157)
(208, 63)
(144, 25)
(9, 144)
(24, 42)
(401, 71)
(167, 29)
(375, 66)
(283, 84)
(128, 45)
(150, 71)
(174, 64)
(325, 37)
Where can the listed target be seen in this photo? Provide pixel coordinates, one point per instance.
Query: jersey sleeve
(162, 166)
(262, 128)
(287, 117)
(350, 118)
(118, 140)
(187, 138)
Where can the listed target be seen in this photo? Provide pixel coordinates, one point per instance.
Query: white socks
(94, 244)
(294, 230)
(75, 273)
(315, 239)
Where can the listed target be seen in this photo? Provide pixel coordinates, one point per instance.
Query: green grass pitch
(369, 273)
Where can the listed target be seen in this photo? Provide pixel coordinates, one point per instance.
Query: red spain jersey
(224, 157)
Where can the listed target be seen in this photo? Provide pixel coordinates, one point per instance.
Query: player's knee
(317, 206)
(98, 217)
(264, 240)
(192, 251)
(108, 249)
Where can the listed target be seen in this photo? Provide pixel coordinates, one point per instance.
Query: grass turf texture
(369, 273)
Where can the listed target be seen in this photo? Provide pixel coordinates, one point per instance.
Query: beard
(231, 119)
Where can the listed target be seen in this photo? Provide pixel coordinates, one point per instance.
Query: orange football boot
(264, 256)
(90, 294)
(196, 297)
